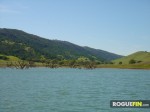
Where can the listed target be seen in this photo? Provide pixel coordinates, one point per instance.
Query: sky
(117, 26)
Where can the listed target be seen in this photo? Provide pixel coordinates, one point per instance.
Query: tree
(90, 65)
(120, 62)
(3, 57)
(21, 65)
(52, 63)
(72, 63)
(132, 61)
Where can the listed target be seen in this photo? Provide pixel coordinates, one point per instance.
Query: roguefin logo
(130, 103)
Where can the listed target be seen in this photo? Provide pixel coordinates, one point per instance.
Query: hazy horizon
(120, 27)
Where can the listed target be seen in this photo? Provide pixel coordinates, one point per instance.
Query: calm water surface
(71, 90)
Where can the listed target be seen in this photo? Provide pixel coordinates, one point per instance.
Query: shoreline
(24, 65)
(109, 67)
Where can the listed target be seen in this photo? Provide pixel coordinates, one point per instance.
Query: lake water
(71, 90)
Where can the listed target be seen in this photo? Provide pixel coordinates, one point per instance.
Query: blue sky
(118, 26)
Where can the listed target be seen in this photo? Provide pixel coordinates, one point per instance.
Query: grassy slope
(138, 56)
(10, 59)
(142, 56)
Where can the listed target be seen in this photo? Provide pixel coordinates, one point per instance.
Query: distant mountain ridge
(28, 46)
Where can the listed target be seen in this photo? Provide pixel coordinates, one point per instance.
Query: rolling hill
(31, 47)
(140, 57)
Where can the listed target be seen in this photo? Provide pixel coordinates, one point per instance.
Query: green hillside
(141, 57)
(31, 47)
(5, 59)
